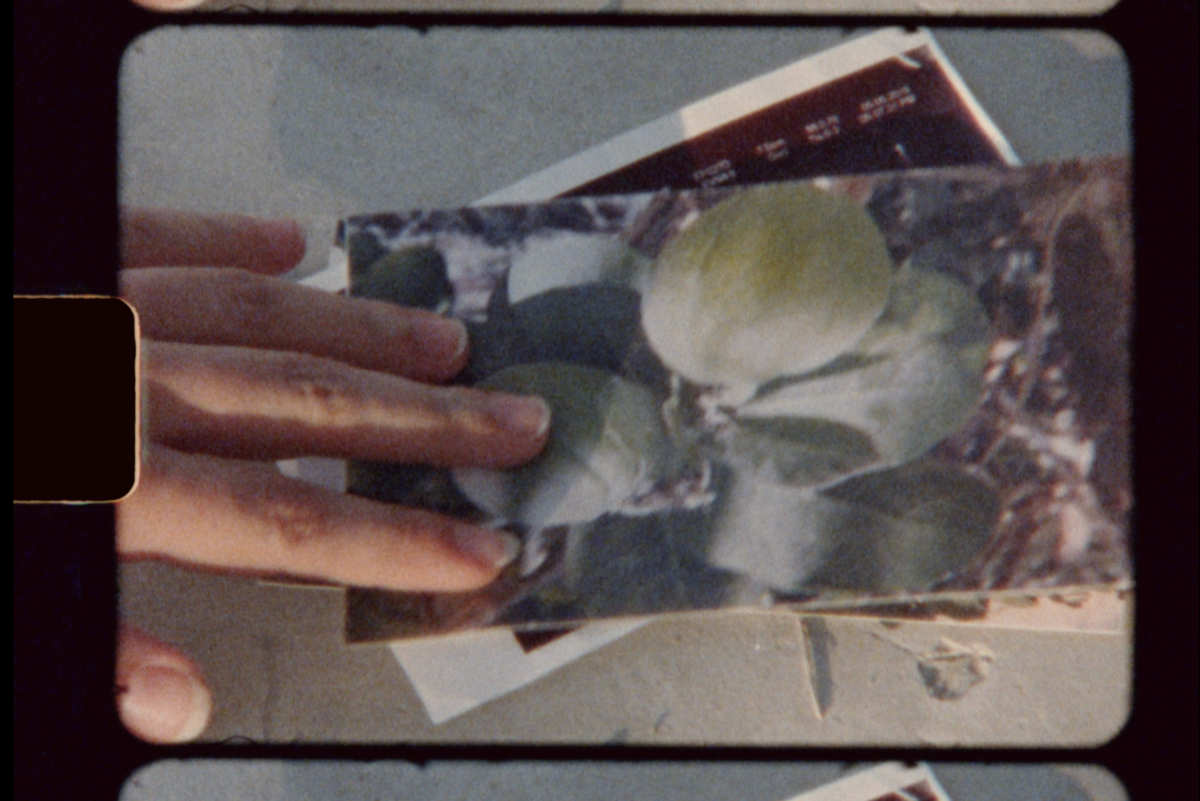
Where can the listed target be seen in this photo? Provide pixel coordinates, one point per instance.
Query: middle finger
(258, 404)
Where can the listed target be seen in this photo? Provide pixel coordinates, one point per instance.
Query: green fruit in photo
(775, 280)
(606, 441)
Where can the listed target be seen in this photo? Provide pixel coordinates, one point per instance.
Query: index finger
(163, 238)
(209, 306)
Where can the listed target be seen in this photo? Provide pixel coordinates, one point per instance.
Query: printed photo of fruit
(901, 386)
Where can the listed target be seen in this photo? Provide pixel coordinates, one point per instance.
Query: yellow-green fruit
(776, 280)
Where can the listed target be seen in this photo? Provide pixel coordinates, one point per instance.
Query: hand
(239, 370)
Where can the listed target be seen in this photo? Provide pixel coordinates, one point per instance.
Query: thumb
(161, 694)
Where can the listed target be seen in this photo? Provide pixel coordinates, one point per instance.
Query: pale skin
(240, 369)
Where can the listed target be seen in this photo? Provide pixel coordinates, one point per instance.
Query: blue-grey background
(325, 121)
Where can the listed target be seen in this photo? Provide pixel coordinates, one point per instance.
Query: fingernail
(495, 549)
(287, 238)
(524, 415)
(443, 337)
(282, 230)
(163, 704)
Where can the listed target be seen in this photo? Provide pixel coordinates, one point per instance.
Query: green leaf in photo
(606, 442)
(768, 531)
(898, 530)
(905, 529)
(594, 326)
(799, 451)
(413, 276)
(914, 378)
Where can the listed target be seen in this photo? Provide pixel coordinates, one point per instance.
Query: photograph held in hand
(825, 394)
